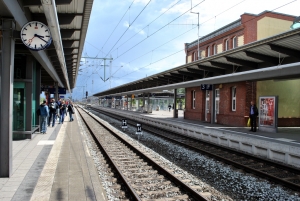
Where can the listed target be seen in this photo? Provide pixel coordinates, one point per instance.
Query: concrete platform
(283, 146)
(53, 166)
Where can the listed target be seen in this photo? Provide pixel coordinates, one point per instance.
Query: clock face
(36, 35)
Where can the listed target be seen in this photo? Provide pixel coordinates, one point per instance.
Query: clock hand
(40, 37)
(30, 40)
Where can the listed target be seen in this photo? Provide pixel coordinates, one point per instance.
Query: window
(193, 99)
(226, 44)
(234, 42)
(233, 98)
(208, 51)
(214, 49)
(195, 56)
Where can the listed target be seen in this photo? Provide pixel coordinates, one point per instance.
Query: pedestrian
(169, 107)
(52, 112)
(58, 112)
(44, 114)
(71, 111)
(62, 110)
(253, 114)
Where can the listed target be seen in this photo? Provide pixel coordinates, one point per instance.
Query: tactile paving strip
(43, 188)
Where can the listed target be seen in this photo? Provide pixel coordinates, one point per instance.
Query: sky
(131, 39)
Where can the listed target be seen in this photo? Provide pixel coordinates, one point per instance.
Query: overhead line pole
(198, 52)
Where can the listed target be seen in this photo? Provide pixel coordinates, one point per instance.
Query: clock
(36, 35)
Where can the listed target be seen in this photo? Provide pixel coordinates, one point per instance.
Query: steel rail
(281, 181)
(168, 174)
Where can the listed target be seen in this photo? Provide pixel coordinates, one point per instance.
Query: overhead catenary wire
(117, 25)
(201, 24)
(147, 26)
(158, 30)
(128, 28)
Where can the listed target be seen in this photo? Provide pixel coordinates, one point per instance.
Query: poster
(267, 111)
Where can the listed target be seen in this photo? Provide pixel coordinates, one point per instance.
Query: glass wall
(33, 111)
(19, 107)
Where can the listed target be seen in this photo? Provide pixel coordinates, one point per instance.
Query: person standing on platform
(253, 114)
(71, 110)
(58, 111)
(62, 110)
(169, 107)
(52, 110)
(44, 110)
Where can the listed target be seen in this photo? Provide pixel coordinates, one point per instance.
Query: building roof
(229, 27)
(68, 22)
(256, 56)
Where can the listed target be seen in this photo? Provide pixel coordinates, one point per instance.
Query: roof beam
(212, 69)
(244, 63)
(64, 18)
(27, 3)
(262, 57)
(221, 65)
(285, 50)
(67, 33)
(193, 75)
(201, 72)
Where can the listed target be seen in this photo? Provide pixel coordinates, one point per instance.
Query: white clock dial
(36, 35)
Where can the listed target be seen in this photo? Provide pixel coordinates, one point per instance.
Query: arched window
(234, 42)
(226, 45)
(214, 49)
(208, 51)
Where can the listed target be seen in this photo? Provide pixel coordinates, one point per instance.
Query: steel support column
(212, 105)
(175, 111)
(56, 91)
(38, 91)
(29, 93)
(6, 96)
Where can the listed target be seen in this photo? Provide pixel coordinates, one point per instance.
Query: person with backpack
(44, 113)
(52, 112)
(71, 111)
(62, 110)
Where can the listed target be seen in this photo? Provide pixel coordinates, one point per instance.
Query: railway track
(264, 168)
(142, 177)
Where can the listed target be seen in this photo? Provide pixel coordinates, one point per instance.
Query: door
(217, 100)
(206, 104)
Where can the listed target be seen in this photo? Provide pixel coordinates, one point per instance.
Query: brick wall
(198, 112)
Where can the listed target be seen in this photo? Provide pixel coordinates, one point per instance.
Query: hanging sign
(206, 87)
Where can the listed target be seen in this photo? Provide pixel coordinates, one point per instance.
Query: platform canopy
(246, 62)
(68, 22)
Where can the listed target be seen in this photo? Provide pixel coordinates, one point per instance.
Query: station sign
(139, 129)
(206, 87)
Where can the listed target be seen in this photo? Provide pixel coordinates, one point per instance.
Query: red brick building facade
(232, 102)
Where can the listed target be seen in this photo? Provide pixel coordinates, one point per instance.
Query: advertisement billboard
(268, 113)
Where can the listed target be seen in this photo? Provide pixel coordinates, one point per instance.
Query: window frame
(226, 44)
(233, 98)
(234, 42)
(208, 51)
(193, 99)
(214, 49)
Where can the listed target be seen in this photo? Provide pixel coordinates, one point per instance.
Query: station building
(232, 99)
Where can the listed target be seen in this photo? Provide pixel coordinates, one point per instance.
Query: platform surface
(53, 166)
(285, 135)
